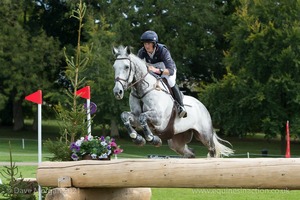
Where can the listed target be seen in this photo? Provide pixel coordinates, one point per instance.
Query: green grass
(253, 144)
(223, 194)
(27, 171)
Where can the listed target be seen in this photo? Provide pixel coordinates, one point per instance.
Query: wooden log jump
(252, 173)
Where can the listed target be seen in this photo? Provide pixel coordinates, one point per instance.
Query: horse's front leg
(153, 139)
(128, 118)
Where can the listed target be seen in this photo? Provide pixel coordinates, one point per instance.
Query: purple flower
(77, 148)
(74, 156)
(74, 147)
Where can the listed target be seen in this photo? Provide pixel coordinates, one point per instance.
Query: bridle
(118, 79)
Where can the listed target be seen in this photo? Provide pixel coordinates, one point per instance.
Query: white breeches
(171, 79)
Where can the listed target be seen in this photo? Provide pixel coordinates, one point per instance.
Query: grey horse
(152, 109)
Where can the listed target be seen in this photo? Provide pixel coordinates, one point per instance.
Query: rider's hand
(153, 69)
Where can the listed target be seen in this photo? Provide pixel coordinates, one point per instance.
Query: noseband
(118, 79)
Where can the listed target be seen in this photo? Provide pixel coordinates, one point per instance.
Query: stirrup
(182, 112)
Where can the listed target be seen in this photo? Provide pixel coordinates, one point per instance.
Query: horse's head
(124, 71)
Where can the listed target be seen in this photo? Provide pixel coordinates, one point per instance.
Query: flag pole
(88, 110)
(39, 133)
(86, 94)
(37, 98)
(40, 142)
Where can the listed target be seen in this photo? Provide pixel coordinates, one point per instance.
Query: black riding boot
(178, 98)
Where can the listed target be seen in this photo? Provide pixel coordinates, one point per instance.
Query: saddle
(164, 80)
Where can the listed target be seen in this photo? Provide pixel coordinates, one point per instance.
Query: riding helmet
(149, 36)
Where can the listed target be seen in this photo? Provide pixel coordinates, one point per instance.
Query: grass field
(27, 152)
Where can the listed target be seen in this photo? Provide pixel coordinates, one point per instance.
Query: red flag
(84, 92)
(35, 97)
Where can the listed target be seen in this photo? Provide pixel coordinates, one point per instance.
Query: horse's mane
(140, 61)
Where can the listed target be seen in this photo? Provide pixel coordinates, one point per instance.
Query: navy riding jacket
(162, 54)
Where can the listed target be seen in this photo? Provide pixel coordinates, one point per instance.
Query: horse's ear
(115, 51)
(128, 50)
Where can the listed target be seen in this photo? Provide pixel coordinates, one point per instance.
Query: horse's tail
(221, 150)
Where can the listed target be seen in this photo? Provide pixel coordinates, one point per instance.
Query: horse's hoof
(189, 156)
(139, 140)
(156, 141)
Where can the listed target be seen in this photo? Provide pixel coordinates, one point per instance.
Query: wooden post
(99, 193)
(64, 182)
(272, 173)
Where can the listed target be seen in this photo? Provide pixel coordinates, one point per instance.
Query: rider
(156, 53)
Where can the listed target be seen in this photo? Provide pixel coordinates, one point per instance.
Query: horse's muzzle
(118, 92)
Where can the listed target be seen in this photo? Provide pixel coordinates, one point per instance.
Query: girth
(168, 132)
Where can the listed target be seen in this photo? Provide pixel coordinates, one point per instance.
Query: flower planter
(92, 147)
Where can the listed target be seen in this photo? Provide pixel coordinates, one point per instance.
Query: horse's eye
(126, 67)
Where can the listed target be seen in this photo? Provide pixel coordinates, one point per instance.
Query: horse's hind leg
(178, 143)
(128, 118)
(207, 140)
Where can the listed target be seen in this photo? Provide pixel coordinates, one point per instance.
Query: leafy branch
(71, 115)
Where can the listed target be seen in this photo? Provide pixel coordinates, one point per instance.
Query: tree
(28, 57)
(54, 17)
(262, 70)
(192, 30)
(101, 71)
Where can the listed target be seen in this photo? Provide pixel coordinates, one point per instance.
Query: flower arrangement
(97, 147)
